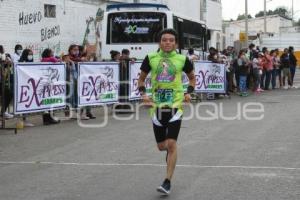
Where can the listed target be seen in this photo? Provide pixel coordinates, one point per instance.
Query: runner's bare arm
(142, 78)
(141, 84)
(192, 78)
(192, 82)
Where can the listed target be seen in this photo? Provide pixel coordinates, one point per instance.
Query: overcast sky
(232, 8)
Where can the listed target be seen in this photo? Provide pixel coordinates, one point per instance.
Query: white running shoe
(165, 188)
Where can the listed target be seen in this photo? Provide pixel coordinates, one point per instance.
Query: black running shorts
(167, 124)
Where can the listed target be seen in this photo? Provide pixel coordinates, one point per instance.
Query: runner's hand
(187, 98)
(147, 101)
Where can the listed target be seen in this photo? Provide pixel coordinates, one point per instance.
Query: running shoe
(165, 187)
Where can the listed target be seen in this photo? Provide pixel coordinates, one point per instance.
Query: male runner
(166, 68)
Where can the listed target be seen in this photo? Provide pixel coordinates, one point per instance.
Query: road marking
(142, 165)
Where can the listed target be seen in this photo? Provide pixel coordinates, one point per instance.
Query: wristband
(142, 90)
(190, 89)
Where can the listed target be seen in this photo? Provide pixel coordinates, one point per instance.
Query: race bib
(164, 96)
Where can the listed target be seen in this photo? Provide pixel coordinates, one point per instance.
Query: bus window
(190, 33)
(135, 27)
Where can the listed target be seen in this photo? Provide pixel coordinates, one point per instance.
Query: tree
(260, 14)
(243, 16)
(282, 11)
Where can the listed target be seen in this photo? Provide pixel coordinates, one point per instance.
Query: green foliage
(282, 11)
(243, 16)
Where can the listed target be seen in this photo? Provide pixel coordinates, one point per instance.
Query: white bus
(136, 26)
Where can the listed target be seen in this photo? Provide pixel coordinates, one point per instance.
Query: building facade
(41, 24)
(256, 27)
(55, 24)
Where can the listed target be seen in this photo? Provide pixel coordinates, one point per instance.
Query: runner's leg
(172, 158)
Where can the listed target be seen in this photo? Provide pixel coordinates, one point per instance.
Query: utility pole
(292, 10)
(246, 21)
(265, 16)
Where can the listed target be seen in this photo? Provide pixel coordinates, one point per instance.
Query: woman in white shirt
(257, 70)
(18, 52)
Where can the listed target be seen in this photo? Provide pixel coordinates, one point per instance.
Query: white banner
(210, 77)
(98, 83)
(134, 75)
(39, 87)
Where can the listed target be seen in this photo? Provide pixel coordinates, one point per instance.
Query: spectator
(76, 55)
(293, 64)
(243, 66)
(115, 55)
(226, 60)
(213, 55)
(285, 65)
(250, 53)
(268, 66)
(84, 58)
(48, 56)
(83, 54)
(126, 56)
(27, 56)
(277, 66)
(257, 71)
(191, 55)
(72, 75)
(17, 54)
(273, 71)
(5, 67)
(263, 75)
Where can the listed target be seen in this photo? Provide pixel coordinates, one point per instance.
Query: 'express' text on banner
(210, 77)
(39, 87)
(134, 75)
(98, 83)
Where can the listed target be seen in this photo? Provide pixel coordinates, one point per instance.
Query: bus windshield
(135, 27)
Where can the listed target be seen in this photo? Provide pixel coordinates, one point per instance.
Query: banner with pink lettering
(134, 75)
(39, 87)
(210, 77)
(98, 83)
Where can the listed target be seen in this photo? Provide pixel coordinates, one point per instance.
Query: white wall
(214, 23)
(214, 15)
(274, 23)
(189, 8)
(281, 41)
(70, 23)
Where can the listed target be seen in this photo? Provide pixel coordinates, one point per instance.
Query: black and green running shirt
(166, 77)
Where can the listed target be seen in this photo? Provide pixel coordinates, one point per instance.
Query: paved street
(219, 159)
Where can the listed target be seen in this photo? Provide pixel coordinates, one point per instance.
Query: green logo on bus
(131, 29)
(134, 29)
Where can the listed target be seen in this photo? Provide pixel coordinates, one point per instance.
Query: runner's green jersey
(166, 77)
